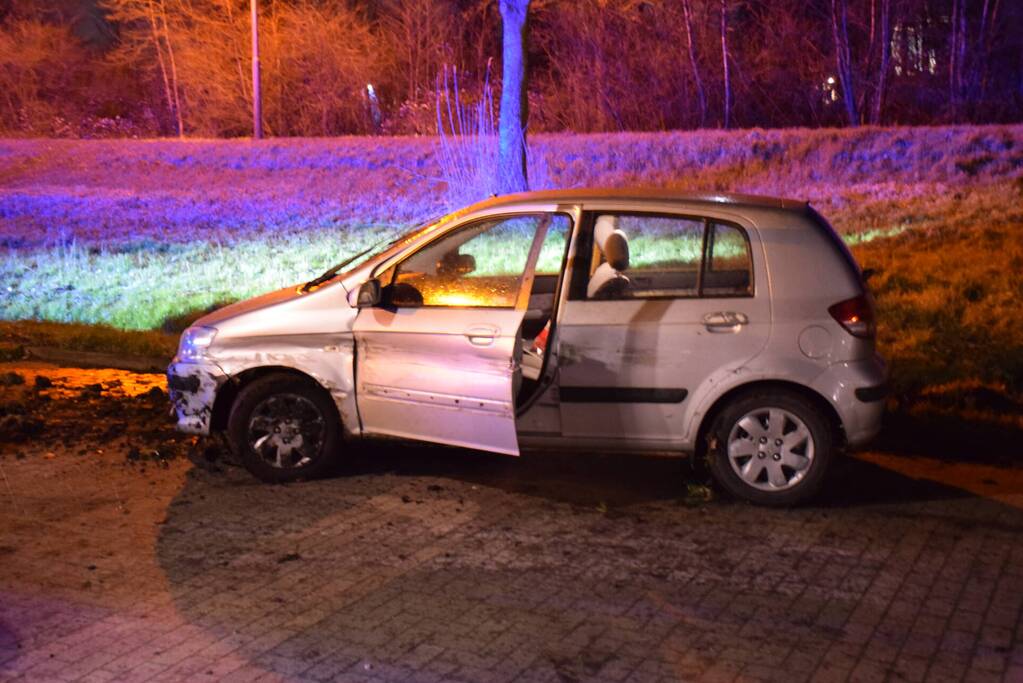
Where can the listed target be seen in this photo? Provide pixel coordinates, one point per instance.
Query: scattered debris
(11, 379)
(9, 352)
(697, 494)
(290, 557)
(15, 428)
(83, 409)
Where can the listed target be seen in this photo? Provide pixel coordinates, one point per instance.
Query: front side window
(648, 256)
(480, 265)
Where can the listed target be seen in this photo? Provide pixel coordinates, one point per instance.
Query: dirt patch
(84, 411)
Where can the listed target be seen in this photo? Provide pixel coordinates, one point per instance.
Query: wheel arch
(814, 397)
(229, 391)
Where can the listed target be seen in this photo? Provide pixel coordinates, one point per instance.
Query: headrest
(612, 242)
(616, 250)
(604, 227)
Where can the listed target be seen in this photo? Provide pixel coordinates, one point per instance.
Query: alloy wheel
(286, 431)
(770, 449)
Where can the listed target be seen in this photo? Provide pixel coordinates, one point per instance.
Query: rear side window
(728, 271)
(650, 256)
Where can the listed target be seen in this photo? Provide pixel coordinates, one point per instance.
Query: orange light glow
(458, 299)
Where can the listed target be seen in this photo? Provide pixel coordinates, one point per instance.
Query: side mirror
(369, 294)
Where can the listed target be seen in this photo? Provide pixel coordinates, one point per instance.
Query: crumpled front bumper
(193, 389)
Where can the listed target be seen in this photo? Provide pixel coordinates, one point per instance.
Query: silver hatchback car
(733, 327)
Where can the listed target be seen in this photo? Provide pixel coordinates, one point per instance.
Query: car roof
(639, 195)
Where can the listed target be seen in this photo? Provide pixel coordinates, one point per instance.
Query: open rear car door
(438, 359)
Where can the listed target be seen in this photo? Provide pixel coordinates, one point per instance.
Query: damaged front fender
(325, 358)
(193, 389)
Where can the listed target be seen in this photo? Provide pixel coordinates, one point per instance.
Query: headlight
(194, 342)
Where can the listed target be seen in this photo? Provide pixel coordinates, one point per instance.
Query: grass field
(131, 234)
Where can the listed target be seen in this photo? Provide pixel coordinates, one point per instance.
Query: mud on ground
(46, 409)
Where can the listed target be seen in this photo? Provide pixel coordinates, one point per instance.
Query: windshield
(382, 247)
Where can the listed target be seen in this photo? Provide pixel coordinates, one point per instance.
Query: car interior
(664, 260)
(720, 251)
(657, 269)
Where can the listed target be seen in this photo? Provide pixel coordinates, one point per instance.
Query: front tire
(284, 428)
(771, 448)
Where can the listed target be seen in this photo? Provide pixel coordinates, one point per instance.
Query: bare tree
(701, 97)
(601, 64)
(175, 87)
(514, 104)
(843, 58)
(956, 55)
(884, 30)
(988, 23)
(726, 66)
(257, 96)
(40, 68)
(969, 57)
(146, 23)
(421, 32)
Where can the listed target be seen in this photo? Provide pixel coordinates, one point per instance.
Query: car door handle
(725, 321)
(482, 335)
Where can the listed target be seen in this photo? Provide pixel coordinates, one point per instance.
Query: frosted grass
(132, 232)
(142, 288)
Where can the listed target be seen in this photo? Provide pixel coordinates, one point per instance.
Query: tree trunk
(957, 71)
(953, 60)
(701, 97)
(512, 175)
(885, 30)
(257, 94)
(726, 67)
(988, 20)
(175, 89)
(843, 58)
(158, 46)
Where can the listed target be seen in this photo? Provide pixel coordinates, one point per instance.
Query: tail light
(856, 315)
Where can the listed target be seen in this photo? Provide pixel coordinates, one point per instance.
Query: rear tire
(771, 448)
(284, 428)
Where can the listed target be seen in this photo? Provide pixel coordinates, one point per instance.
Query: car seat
(608, 281)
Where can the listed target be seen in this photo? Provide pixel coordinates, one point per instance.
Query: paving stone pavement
(428, 564)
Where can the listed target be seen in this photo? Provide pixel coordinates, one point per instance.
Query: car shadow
(577, 478)
(9, 647)
(952, 438)
(625, 479)
(854, 483)
(407, 545)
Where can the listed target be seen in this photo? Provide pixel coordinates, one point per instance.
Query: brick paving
(428, 564)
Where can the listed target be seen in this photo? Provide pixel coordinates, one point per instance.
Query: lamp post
(257, 104)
